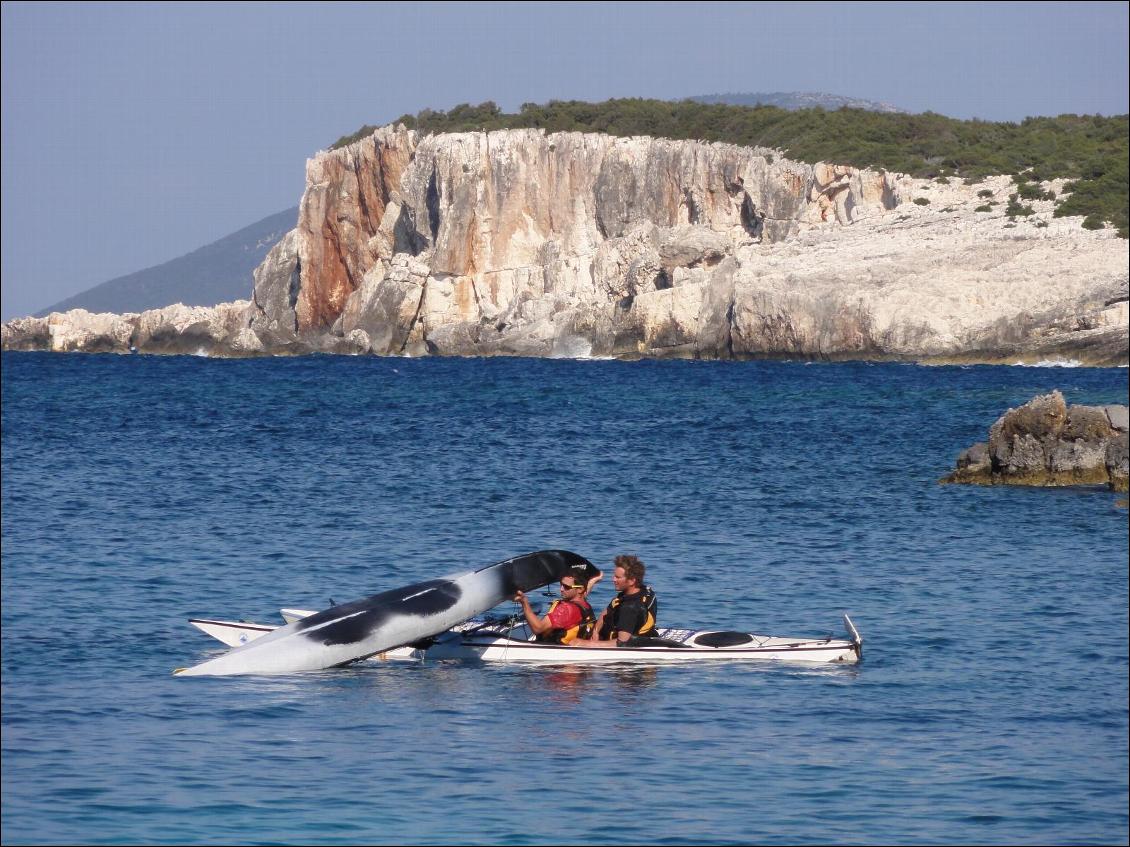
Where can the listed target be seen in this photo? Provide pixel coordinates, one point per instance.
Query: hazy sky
(133, 134)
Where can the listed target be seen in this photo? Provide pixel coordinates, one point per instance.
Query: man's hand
(539, 626)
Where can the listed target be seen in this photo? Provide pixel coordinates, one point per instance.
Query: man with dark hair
(568, 619)
(632, 613)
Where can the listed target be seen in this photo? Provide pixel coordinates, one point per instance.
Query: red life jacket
(581, 630)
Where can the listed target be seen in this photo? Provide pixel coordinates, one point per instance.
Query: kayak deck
(496, 644)
(509, 640)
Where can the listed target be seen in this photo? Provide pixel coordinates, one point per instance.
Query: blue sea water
(991, 705)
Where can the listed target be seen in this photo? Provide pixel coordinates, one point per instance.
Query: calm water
(140, 491)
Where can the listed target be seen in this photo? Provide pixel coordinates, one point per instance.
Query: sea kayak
(508, 639)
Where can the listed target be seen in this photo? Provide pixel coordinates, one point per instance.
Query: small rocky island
(1046, 442)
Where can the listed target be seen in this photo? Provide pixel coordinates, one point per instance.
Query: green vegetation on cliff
(1090, 150)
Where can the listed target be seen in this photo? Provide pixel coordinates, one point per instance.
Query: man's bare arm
(539, 626)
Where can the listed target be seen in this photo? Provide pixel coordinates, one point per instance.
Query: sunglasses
(565, 587)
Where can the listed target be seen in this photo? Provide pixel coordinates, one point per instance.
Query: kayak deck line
(245, 624)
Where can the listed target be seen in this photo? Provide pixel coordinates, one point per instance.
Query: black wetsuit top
(635, 613)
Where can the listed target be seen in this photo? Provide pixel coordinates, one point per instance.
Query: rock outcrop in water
(1047, 442)
(570, 244)
(202, 330)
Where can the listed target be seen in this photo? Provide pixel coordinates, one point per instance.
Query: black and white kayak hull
(352, 631)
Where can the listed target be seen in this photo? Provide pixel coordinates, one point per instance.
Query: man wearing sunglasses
(568, 619)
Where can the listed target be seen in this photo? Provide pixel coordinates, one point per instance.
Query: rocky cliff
(519, 242)
(203, 330)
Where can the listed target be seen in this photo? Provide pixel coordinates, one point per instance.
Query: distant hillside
(793, 100)
(216, 273)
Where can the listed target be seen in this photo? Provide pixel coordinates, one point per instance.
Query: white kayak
(508, 639)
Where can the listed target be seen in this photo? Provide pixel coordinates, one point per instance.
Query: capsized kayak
(352, 631)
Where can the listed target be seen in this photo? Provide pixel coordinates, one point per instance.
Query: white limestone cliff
(521, 242)
(206, 330)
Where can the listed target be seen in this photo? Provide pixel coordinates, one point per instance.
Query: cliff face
(173, 329)
(521, 242)
(518, 242)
